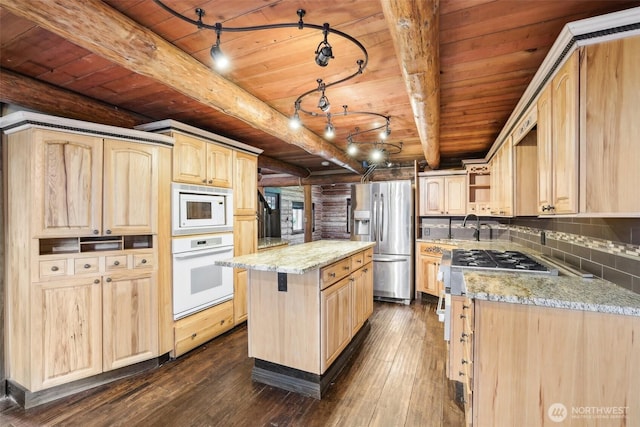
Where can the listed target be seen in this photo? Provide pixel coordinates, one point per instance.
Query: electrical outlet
(543, 238)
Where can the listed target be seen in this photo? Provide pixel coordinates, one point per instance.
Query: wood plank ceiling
(488, 53)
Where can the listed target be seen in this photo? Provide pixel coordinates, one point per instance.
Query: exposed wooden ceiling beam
(104, 31)
(414, 29)
(43, 97)
(384, 174)
(284, 167)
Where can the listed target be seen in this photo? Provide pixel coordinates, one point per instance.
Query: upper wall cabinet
(502, 180)
(196, 161)
(610, 128)
(558, 142)
(87, 186)
(67, 176)
(442, 195)
(130, 188)
(246, 184)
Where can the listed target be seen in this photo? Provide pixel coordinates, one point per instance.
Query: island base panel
(307, 383)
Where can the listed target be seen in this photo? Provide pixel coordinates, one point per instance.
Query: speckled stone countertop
(298, 259)
(271, 242)
(563, 291)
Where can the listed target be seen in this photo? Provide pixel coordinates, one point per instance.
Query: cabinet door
(545, 137)
(367, 273)
(219, 166)
(68, 184)
(189, 160)
(609, 149)
(245, 235)
(506, 179)
(130, 319)
(335, 306)
(431, 196)
(427, 274)
(130, 202)
(240, 296)
(455, 195)
(564, 109)
(357, 300)
(245, 184)
(66, 331)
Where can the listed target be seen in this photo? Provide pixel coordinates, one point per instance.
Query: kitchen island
(308, 307)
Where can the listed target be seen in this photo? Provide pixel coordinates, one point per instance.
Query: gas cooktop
(497, 260)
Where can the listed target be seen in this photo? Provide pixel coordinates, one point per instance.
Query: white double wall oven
(202, 219)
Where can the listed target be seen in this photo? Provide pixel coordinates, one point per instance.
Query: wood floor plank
(395, 379)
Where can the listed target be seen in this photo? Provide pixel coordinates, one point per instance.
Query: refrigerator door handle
(375, 218)
(381, 217)
(389, 260)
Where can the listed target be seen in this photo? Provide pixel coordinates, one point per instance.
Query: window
(348, 215)
(273, 199)
(297, 217)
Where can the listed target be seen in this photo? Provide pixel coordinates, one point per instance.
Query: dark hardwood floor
(397, 378)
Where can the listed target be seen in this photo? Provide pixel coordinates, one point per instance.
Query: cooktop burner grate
(492, 259)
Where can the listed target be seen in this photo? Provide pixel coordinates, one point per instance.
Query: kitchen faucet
(476, 232)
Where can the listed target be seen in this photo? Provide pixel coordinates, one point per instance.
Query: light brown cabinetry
(87, 186)
(308, 326)
(335, 306)
(442, 195)
(502, 180)
(196, 161)
(67, 183)
(528, 358)
(609, 128)
(65, 340)
(460, 362)
(428, 260)
(245, 184)
(197, 329)
(479, 189)
(130, 198)
(82, 288)
(130, 319)
(558, 142)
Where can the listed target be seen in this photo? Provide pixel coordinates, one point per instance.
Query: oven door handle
(199, 253)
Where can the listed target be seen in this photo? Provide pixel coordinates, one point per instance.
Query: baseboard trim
(28, 399)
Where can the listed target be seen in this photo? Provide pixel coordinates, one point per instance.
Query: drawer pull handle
(462, 316)
(116, 262)
(359, 261)
(460, 374)
(210, 181)
(108, 279)
(108, 231)
(346, 267)
(95, 231)
(193, 335)
(464, 361)
(87, 266)
(96, 281)
(365, 270)
(332, 274)
(465, 307)
(144, 261)
(54, 268)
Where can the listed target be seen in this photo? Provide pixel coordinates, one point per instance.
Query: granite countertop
(298, 259)
(271, 242)
(563, 291)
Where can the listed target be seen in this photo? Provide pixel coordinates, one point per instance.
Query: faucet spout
(476, 232)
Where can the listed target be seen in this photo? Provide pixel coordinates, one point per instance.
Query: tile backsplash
(606, 247)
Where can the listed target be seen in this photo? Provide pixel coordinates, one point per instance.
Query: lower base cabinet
(201, 327)
(528, 364)
(428, 260)
(239, 295)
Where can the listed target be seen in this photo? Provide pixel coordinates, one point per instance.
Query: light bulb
(294, 122)
(352, 149)
(329, 131)
(376, 155)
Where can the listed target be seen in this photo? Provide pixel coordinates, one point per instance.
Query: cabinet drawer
(368, 255)
(144, 260)
(116, 262)
(334, 272)
(53, 267)
(201, 327)
(86, 265)
(357, 261)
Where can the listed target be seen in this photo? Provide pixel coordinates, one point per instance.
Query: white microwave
(197, 209)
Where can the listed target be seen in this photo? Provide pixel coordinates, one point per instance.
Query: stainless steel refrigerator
(382, 212)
